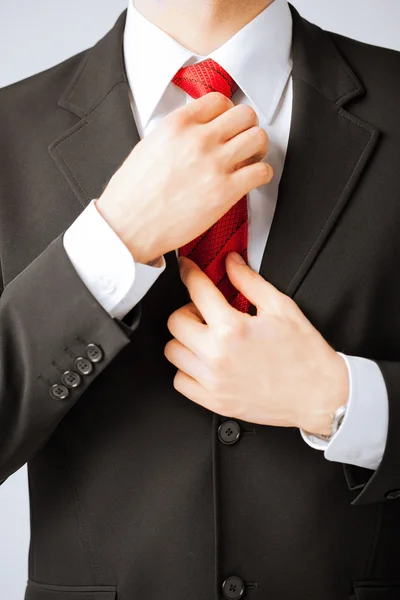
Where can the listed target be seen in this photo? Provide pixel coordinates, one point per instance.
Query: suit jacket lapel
(90, 152)
(327, 153)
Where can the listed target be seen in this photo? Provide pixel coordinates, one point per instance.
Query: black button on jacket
(133, 493)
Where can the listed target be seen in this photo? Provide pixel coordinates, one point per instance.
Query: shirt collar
(258, 57)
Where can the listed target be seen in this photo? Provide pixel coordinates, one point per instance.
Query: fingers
(184, 359)
(232, 122)
(248, 161)
(250, 143)
(249, 177)
(187, 327)
(260, 292)
(205, 109)
(210, 301)
(190, 388)
(252, 285)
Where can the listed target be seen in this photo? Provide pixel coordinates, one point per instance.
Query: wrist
(141, 253)
(328, 402)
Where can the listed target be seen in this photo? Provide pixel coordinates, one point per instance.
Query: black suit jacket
(134, 492)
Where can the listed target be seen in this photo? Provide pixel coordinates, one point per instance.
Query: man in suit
(207, 428)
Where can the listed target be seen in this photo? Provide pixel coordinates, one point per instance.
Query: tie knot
(204, 77)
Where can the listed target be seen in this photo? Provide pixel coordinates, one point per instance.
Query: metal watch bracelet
(336, 423)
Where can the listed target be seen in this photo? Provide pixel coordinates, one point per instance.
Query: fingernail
(237, 258)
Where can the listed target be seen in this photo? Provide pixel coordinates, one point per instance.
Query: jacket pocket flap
(41, 591)
(377, 590)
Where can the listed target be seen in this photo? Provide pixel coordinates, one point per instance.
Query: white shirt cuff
(361, 438)
(105, 265)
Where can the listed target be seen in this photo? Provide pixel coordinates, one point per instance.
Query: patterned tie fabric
(229, 233)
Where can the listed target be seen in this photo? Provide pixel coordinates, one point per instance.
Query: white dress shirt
(258, 57)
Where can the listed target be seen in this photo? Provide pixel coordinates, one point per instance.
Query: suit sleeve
(50, 323)
(382, 485)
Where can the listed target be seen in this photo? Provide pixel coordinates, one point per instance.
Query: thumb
(255, 288)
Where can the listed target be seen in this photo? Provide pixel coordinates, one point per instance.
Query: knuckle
(178, 381)
(172, 320)
(287, 306)
(249, 113)
(219, 99)
(284, 301)
(218, 361)
(232, 331)
(225, 333)
(177, 120)
(261, 134)
(167, 349)
(217, 357)
(263, 171)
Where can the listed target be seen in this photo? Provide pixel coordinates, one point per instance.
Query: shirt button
(233, 588)
(108, 286)
(71, 379)
(394, 495)
(229, 432)
(83, 365)
(59, 392)
(94, 353)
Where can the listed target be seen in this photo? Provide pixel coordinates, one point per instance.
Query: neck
(201, 26)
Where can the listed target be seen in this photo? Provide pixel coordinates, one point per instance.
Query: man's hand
(273, 369)
(182, 177)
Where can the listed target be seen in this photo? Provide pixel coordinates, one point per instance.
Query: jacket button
(59, 392)
(94, 353)
(229, 432)
(233, 588)
(393, 495)
(71, 379)
(83, 365)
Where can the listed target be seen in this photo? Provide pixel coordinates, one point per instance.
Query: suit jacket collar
(99, 73)
(328, 150)
(318, 62)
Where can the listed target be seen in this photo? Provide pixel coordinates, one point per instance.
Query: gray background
(37, 34)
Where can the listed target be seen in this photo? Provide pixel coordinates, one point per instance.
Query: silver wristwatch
(336, 423)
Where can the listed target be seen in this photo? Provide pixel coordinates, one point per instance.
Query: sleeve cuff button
(83, 366)
(71, 379)
(94, 353)
(59, 392)
(108, 286)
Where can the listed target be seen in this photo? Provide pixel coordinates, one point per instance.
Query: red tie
(229, 233)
